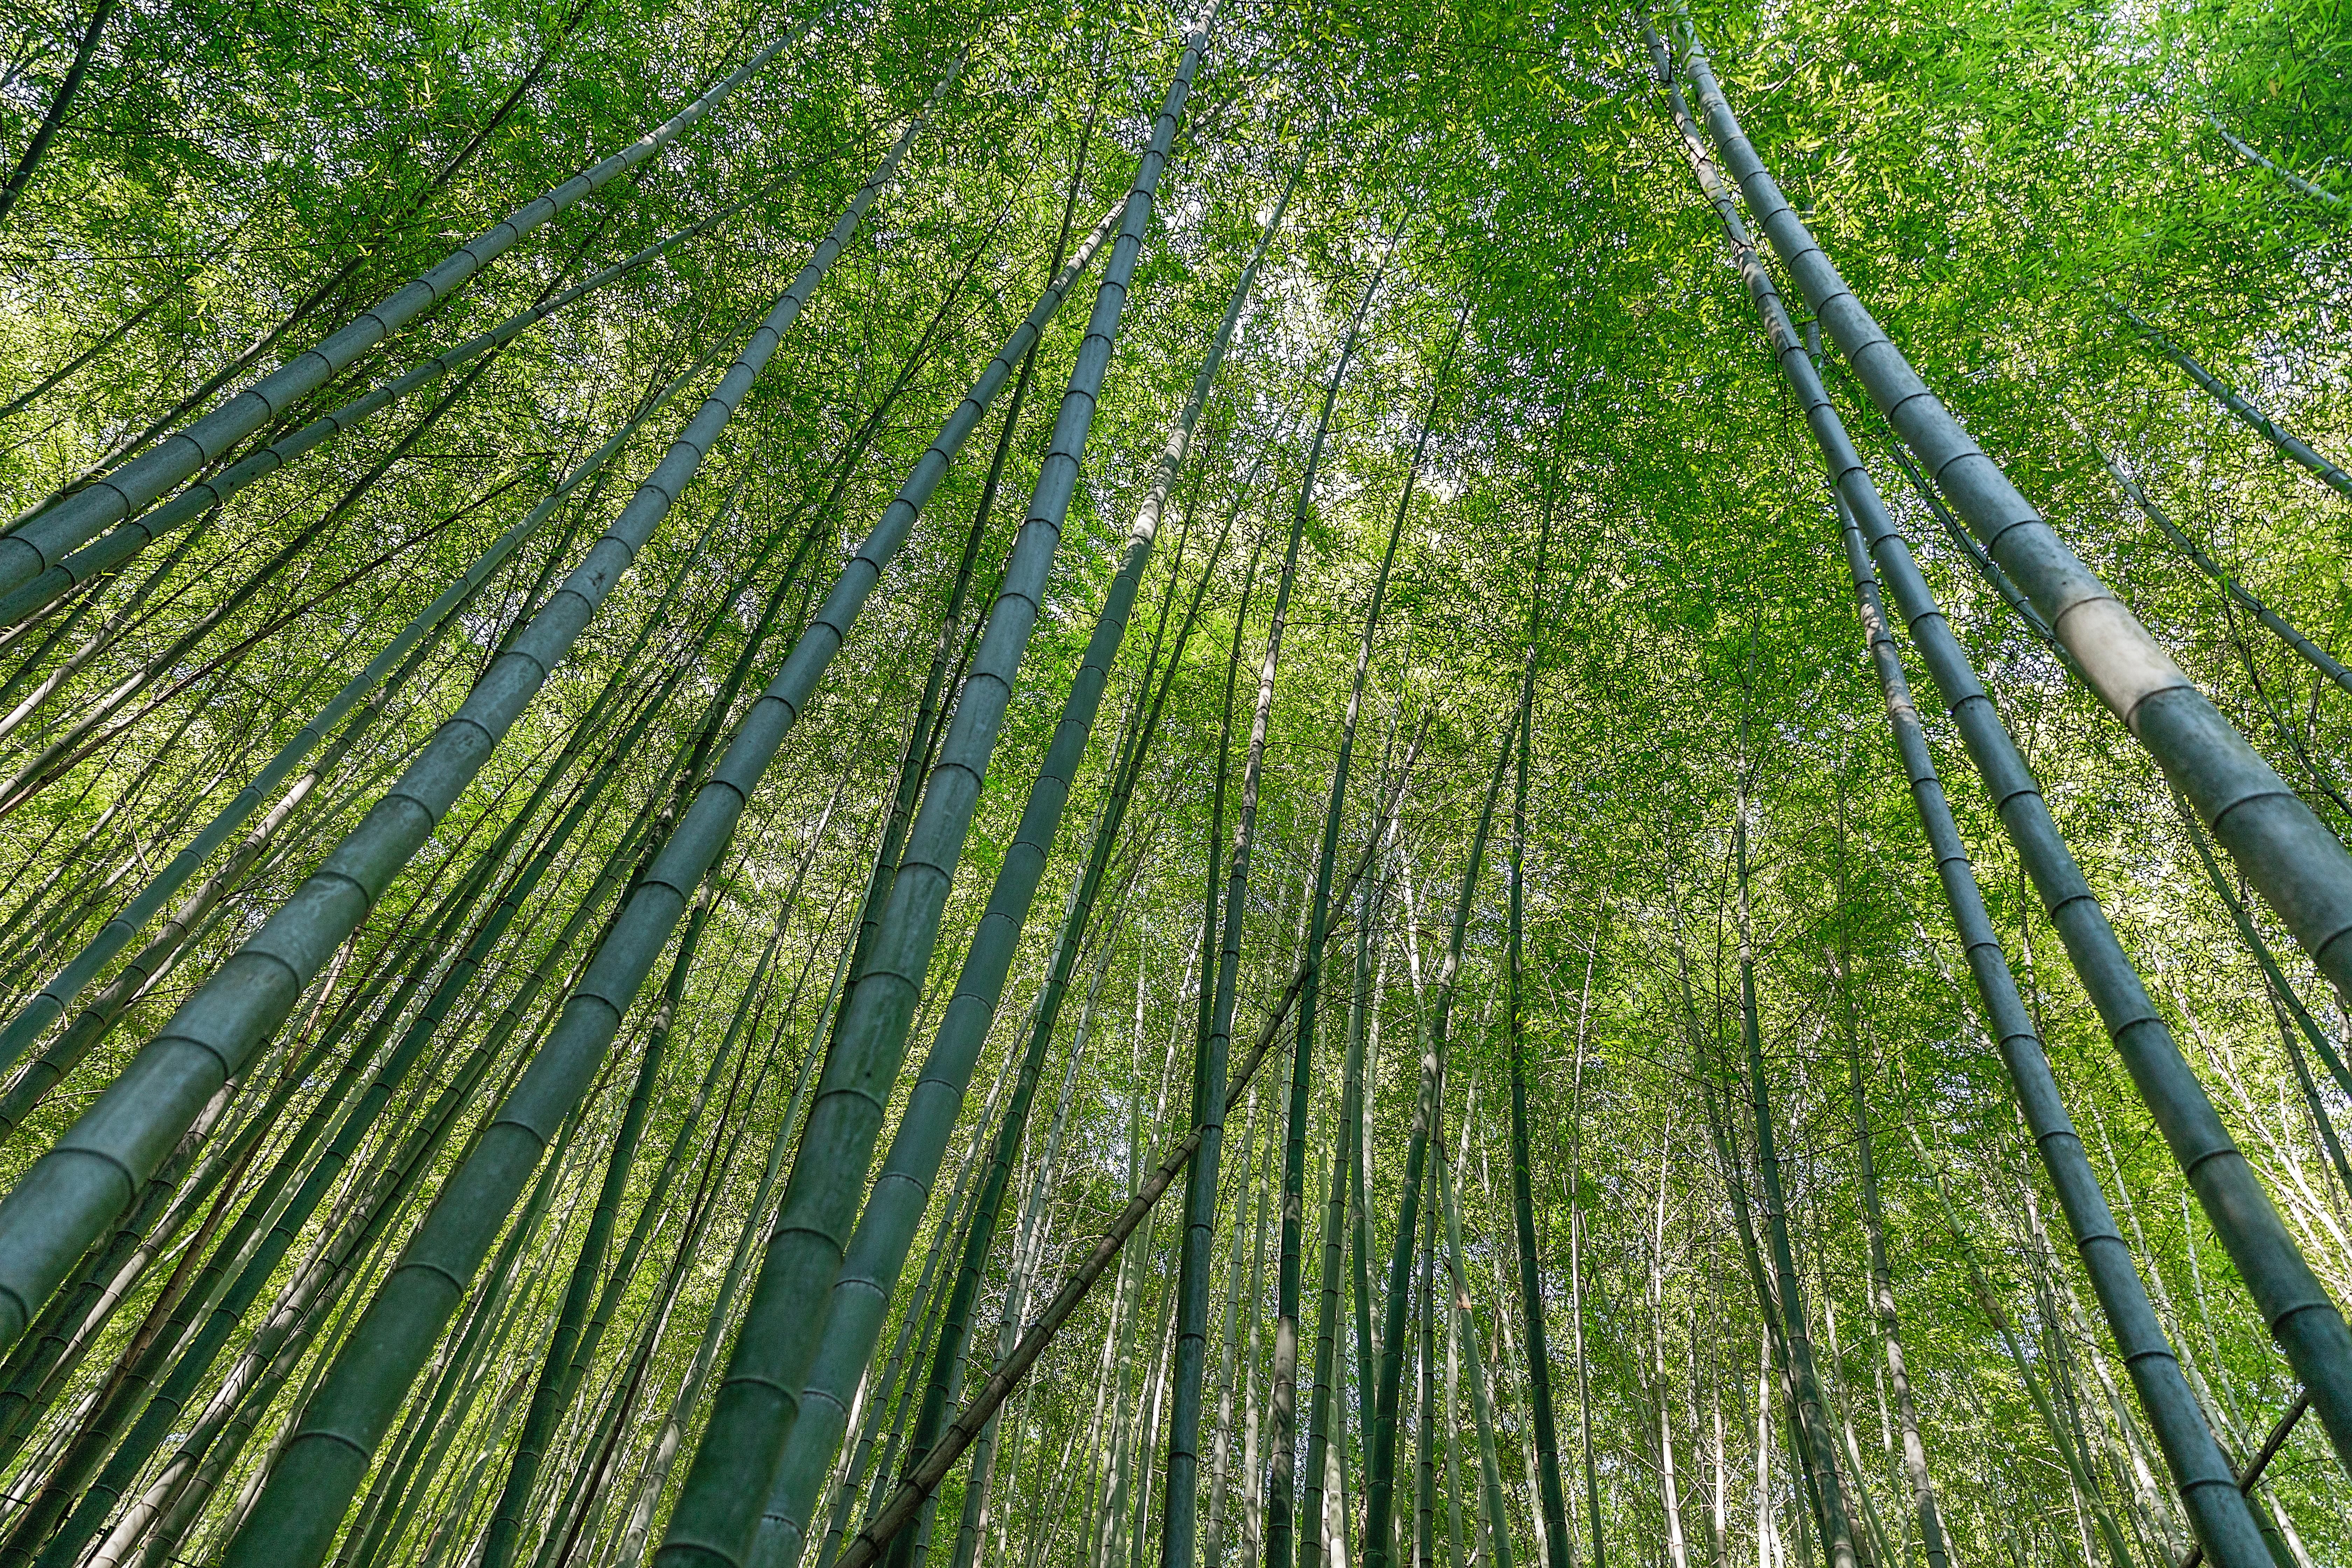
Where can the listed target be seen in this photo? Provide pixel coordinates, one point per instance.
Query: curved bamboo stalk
(45, 539)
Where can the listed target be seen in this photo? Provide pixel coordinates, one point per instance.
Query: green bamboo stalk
(172, 939)
(22, 176)
(2280, 626)
(905, 1500)
(1490, 1473)
(1837, 1532)
(2294, 181)
(1232, 1373)
(45, 538)
(2300, 867)
(136, 533)
(1881, 1277)
(553, 1387)
(2199, 1468)
(2303, 1318)
(1284, 1371)
(195, 1359)
(1179, 1531)
(61, 1203)
(1552, 1496)
(706, 1355)
(1380, 1490)
(1326, 1400)
(719, 1509)
(2285, 442)
(980, 983)
(877, 1251)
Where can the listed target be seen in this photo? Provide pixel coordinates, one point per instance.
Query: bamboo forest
(1290, 783)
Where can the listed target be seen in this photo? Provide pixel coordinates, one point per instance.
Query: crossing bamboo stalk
(906, 1500)
(885, 1229)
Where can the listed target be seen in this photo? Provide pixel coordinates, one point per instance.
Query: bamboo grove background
(1483, 239)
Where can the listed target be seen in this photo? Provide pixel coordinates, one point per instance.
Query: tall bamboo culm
(2305, 1319)
(2300, 867)
(294, 1520)
(1279, 1534)
(60, 1204)
(886, 1227)
(2199, 1468)
(718, 1512)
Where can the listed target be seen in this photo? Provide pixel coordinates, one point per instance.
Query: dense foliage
(1496, 314)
